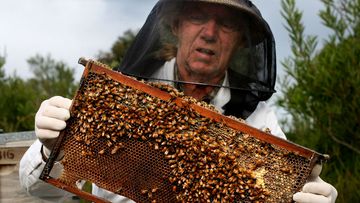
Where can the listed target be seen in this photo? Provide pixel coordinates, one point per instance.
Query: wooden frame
(92, 66)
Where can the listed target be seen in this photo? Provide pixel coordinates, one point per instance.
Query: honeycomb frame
(237, 163)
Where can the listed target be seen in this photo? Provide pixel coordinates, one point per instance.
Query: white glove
(50, 120)
(316, 190)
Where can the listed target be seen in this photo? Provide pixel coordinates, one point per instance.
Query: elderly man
(218, 51)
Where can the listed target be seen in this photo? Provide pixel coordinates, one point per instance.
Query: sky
(70, 29)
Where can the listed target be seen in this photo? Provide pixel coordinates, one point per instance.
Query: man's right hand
(50, 120)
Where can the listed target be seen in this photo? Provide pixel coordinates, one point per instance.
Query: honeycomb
(151, 149)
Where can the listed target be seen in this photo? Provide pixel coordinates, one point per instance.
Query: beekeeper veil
(252, 70)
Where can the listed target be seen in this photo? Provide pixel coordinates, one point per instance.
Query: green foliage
(51, 77)
(20, 99)
(2, 72)
(321, 91)
(14, 115)
(115, 56)
(17, 105)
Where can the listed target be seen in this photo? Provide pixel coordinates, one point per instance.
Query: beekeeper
(218, 51)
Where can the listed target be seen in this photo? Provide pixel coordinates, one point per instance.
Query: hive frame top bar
(93, 66)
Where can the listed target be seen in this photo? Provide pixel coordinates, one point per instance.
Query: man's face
(208, 35)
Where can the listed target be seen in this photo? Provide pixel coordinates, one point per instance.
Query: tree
(2, 72)
(51, 77)
(16, 102)
(21, 98)
(321, 91)
(17, 105)
(117, 52)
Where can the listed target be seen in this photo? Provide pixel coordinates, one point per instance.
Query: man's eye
(230, 25)
(197, 18)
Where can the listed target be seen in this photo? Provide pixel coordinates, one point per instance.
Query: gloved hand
(316, 190)
(50, 119)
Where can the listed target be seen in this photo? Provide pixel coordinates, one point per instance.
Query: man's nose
(210, 31)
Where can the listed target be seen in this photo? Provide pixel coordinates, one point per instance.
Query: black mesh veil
(252, 71)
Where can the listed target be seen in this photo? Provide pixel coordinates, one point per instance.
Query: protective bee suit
(248, 83)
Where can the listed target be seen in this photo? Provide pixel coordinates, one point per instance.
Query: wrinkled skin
(206, 43)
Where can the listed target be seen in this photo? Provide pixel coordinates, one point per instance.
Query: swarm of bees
(150, 150)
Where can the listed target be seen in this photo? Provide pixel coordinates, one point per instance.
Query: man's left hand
(316, 190)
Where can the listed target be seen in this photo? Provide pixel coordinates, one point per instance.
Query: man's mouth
(206, 51)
